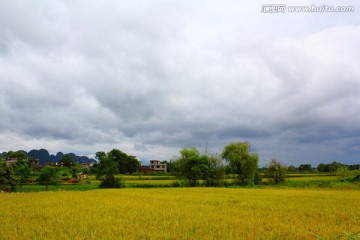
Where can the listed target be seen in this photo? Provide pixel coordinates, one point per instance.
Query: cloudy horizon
(150, 78)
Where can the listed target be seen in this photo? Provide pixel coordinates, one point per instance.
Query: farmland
(181, 213)
(150, 181)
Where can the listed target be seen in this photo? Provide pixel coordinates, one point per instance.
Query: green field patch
(313, 178)
(146, 177)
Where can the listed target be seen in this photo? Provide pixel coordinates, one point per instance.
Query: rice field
(182, 213)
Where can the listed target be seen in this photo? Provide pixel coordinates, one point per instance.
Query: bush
(357, 178)
(112, 182)
(176, 184)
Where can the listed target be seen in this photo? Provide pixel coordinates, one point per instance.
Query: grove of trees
(126, 164)
(24, 170)
(194, 166)
(210, 168)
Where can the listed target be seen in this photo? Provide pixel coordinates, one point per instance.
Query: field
(151, 181)
(182, 213)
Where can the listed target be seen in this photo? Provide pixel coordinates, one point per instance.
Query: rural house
(155, 166)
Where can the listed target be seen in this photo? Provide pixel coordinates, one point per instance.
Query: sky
(152, 77)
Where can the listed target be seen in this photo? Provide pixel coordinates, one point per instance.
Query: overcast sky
(151, 77)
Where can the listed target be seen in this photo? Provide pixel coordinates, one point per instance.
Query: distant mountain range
(44, 156)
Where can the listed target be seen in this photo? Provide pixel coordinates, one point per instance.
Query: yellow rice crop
(180, 213)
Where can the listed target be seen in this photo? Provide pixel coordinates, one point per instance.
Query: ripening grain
(180, 213)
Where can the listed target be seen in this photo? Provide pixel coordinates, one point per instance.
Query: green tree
(126, 164)
(68, 162)
(23, 171)
(241, 161)
(20, 155)
(94, 168)
(334, 166)
(107, 168)
(64, 173)
(192, 165)
(305, 168)
(276, 172)
(8, 177)
(33, 163)
(49, 176)
(186, 153)
(292, 169)
(321, 167)
(216, 175)
(195, 168)
(174, 167)
(343, 172)
(354, 167)
(176, 164)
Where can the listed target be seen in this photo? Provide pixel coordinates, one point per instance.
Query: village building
(11, 160)
(33, 162)
(52, 164)
(158, 166)
(155, 166)
(82, 175)
(87, 165)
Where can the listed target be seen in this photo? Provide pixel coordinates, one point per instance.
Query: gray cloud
(150, 79)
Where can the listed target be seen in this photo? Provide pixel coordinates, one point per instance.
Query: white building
(157, 166)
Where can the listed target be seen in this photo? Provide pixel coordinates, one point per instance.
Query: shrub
(111, 181)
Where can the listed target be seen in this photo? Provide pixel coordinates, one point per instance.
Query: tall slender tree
(276, 172)
(241, 161)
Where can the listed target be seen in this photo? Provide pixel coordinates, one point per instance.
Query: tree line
(322, 168)
(192, 165)
(26, 170)
(211, 168)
